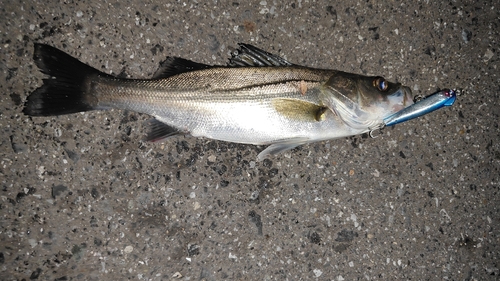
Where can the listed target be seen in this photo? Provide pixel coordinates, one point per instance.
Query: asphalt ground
(83, 198)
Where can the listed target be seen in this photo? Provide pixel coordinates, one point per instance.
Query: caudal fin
(66, 90)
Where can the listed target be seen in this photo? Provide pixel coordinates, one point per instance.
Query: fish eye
(381, 84)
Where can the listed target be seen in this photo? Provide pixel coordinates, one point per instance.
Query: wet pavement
(83, 198)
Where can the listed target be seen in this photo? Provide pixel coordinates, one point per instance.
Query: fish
(427, 105)
(258, 98)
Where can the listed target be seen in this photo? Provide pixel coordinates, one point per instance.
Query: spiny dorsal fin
(174, 65)
(248, 55)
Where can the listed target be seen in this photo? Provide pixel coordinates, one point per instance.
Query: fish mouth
(408, 97)
(405, 99)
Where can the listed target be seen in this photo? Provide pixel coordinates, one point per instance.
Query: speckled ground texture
(83, 198)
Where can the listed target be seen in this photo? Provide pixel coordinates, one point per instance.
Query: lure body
(431, 103)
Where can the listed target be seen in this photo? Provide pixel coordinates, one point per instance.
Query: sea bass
(258, 98)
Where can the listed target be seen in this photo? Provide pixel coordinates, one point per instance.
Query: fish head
(364, 101)
(382, 94)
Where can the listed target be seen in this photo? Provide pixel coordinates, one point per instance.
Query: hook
(377, 128)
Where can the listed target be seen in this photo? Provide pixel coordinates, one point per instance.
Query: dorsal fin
(174, 65)
(248, 55)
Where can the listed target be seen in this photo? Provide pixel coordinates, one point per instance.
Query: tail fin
(65, 91)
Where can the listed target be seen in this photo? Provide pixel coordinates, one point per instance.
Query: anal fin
(158, 130)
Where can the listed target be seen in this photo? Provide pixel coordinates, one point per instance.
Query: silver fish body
(231, 108)
(261, 99)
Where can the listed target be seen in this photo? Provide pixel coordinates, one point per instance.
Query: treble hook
(377, 128)
(371, 134)
(418, 98)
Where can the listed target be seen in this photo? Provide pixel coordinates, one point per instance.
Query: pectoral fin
(280, 146)
(300, 110)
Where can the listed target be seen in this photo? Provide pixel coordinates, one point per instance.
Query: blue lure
(430, 103)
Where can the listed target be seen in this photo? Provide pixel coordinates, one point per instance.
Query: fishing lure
(421, 107)
(430, 103)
